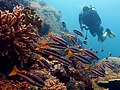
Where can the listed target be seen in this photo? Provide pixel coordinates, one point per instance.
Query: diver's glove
(83, 26)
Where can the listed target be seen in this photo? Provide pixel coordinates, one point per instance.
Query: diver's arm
(82, 25)
(81, 22)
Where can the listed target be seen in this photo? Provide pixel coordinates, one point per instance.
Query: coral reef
(52, 62)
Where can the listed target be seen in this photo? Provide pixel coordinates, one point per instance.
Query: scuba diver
(90, 20)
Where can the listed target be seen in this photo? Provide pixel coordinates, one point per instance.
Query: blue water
(108, 11)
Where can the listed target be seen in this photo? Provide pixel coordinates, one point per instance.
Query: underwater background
(108, 11)
(43, 48)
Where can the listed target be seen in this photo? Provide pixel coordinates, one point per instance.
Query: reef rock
(50, 16)
(110, 74)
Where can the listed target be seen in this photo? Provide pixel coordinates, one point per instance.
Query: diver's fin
(14, 71)
(110, 33)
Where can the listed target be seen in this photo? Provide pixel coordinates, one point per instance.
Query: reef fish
(58, 39)
(56, 55)
(85, 42)
(98, 72)
(31, 78)
(92, 55)
(110, 54)
(57, 46)
(71, 37)
(43, 62)
(102, 50)
(81, 58)
(78, 33)
(109, 65)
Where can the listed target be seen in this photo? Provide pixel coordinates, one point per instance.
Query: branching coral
(17, 40)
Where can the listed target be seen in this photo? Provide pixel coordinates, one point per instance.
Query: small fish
(44, 62)
(106, 58)
(110, 54)
(64, 24)
(73, 49)
(51, 52)
(96, 52)
(85, 42)
(97, 72)
(63, 60)
(93, 76)
(71, 37)
(79, 46)
(102, 68)
(31, 78)
(60, 40)
(74, 40)
(82, 58)
(57, 45)
(102, 50)
(109, 65)
(91, 49)
(78, 33)
(92, 55)
(56, 55)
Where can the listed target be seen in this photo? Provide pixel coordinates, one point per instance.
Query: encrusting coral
(53, 84)
(14, 85)
(17, 40)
